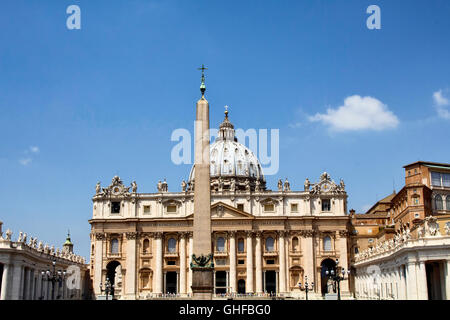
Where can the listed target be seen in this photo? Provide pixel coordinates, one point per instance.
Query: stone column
(16, 281)
(309, 256)
(258, 255)
(232, 236)
(5, 282)
(447, 280)
(282, 258)
(249, 281)
(130, 280)
(411, 281)
(158, 263)
(98, 262)
(191, 248)
(422, 282)
(343, 260)
(31, 294)
(183, 263)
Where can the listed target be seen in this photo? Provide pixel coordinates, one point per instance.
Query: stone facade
(263, 241)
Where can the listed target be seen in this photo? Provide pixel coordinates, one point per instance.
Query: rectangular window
(326, 205)
(115, 207)
(241, 261)
(221, 262)
(171, 262)
(240, 206)
(271, 261)
(146, 209)
(446, 179)
(171, 209)
(294, 207)
(436, 179)
(269, 207)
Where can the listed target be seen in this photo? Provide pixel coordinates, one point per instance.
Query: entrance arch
(114, 274)
(241, 286)
(327, 286)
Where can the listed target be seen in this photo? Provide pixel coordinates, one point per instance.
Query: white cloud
(358, 113)
(34, 149)
(439, 99)
(441, 103)
(25, 162)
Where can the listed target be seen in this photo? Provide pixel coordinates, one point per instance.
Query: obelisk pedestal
(202, 258)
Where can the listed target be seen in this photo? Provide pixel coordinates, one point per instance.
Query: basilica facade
(264, 241)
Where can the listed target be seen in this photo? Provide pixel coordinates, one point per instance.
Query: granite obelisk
(202, 258)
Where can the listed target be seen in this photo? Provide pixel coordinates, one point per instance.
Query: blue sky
(79, 106)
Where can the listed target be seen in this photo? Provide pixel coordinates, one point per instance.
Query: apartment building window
(438, 205)
(439, 179)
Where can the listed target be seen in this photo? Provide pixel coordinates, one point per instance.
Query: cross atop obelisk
(202, 264)
(202, 85)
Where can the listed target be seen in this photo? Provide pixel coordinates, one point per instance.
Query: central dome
(232, 165)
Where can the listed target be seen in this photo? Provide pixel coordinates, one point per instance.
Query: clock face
(116, 190)
(325, 187)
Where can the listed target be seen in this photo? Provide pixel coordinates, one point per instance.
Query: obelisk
(202, 258)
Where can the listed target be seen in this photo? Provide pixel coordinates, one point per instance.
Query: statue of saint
(98, 188)
(20, 236)
(307, 184)
(134, 187)
(257, 185)
(8, 234)
(233, 185)
(183, 185)
(287, 186)
(280, 185)
(159, 186)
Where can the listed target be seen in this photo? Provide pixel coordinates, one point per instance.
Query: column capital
(158, 235)
(258, 234)
(281, 233)
(100, 236)
(131, 235)
(249, 233)
(231, 234)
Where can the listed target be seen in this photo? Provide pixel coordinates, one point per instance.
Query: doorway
(327, 284)
(221, 282)
(114, 275)
(271, 281)
(241, 286)
(434, 280)
(171, 282)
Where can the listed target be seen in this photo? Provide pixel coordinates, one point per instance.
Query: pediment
(220, 210)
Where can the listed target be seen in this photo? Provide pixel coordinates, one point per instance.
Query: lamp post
(54, 276)
(306, 286)
(335, 274)
(109, 288)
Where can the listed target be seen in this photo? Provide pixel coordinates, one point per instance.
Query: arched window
(438, 202)
(241, 245)
(295, 244)
(114, 246)
(220, 244)
(269, 244)
(171, 245)
(447, 203)
(146, 246)
(327, 243)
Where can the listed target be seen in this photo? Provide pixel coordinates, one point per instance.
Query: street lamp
(109, 288)
(54, 276)
(336, 276)
(306, 286)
